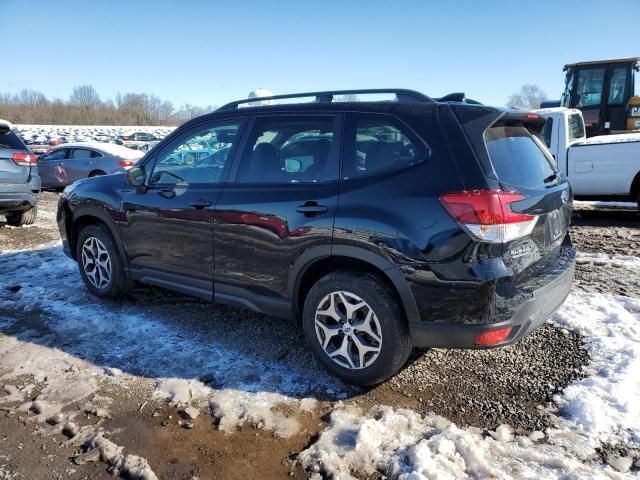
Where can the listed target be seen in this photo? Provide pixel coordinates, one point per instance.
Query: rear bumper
(533, 312)
(19, 197)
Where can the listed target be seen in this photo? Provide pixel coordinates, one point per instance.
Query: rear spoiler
(532, 121)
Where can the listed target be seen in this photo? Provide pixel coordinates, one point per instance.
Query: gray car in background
(19, 180)
(69, 162)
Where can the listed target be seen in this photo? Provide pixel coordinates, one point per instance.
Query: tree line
(85, 107)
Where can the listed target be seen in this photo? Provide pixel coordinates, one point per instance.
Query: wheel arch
(90, 216)
(634, 192)
(320, 261)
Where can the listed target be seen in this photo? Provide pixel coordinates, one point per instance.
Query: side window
(291, 150)
(617, 86)
(197, 157)
(59, 154)
(378, 143)
(80, 153)
(95, 154)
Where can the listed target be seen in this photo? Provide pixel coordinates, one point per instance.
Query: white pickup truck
(603, 167)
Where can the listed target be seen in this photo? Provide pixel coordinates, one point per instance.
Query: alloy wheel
(96, 262)
(348, 330)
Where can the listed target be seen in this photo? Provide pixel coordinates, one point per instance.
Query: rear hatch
(523, 164)
(15, 159)
(536, 211)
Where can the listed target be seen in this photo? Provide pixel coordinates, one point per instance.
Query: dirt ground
(512, 385)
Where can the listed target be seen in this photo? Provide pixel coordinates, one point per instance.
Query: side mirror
(136, 177)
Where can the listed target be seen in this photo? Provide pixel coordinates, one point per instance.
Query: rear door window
(284, 149)
(81, 153)
(377, 143)
(517, 157)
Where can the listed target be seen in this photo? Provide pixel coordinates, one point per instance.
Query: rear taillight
(24, 159)
(126, 163)
(487, 214)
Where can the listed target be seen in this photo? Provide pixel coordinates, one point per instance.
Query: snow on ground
(605, 259)
(104, 338)
(602, 204)
(81, 342)
(606, 404)
(602, 407)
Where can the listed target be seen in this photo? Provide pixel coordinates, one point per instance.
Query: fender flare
(391, 272)
(86, 211)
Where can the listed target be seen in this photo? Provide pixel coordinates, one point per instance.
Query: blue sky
(210, 52)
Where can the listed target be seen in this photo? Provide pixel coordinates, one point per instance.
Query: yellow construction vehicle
(604, 91)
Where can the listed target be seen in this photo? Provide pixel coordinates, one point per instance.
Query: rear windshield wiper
(551, 178)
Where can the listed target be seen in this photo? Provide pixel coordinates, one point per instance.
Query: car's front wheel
(100, 263)
(355, 328)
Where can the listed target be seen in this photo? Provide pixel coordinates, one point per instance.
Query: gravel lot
(484, 389)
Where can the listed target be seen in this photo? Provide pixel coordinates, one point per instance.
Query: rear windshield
(516, 157)
(12, 141)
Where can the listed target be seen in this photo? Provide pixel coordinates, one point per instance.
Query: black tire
(396, 342)
(119, 282)
(96, 173)
(24, 217)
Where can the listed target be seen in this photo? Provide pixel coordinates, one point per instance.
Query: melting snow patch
(401, 444)
(604, 259)
(606, 403)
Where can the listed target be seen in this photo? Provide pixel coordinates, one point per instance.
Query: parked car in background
(136, 139)
(19, 180)
(382, 225)
(72, 161)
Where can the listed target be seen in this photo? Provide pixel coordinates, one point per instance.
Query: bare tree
(85, 107)
(87, 102)
(529, 97)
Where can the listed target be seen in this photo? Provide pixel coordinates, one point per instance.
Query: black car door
(280, 201)
(167, 229)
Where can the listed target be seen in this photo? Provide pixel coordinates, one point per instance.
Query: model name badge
(521, 250)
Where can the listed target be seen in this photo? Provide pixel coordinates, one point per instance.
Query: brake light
(532, 115)
(493, 337)
(24, 159)
(487, 214)
(126, 163)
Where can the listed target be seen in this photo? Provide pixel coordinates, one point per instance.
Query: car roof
(108, 148)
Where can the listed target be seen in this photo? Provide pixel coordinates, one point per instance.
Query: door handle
(200, 204)
(311, 209)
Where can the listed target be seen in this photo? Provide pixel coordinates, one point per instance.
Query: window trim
(180, 135)
(350, 127)
(338, 129)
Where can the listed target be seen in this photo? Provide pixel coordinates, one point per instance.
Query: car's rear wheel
(355, 328)
(24, 217)
(100, 263)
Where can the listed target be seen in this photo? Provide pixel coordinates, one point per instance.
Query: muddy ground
(512, 385)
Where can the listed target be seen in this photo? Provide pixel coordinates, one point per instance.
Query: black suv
(382, 225)
(19, 180)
